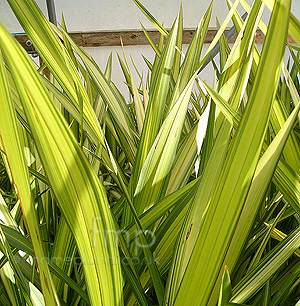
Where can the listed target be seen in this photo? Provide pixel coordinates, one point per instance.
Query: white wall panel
(92, 15)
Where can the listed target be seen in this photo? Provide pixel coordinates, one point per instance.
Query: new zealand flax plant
(185, 194)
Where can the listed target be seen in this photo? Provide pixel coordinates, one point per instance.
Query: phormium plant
(185, 194)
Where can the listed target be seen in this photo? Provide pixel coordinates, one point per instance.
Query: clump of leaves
(148, 201)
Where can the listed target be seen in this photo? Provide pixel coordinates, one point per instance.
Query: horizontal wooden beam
(129, 38)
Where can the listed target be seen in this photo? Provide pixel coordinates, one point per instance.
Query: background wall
(92, 15)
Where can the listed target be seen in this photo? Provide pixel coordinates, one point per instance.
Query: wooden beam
(130, 38)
